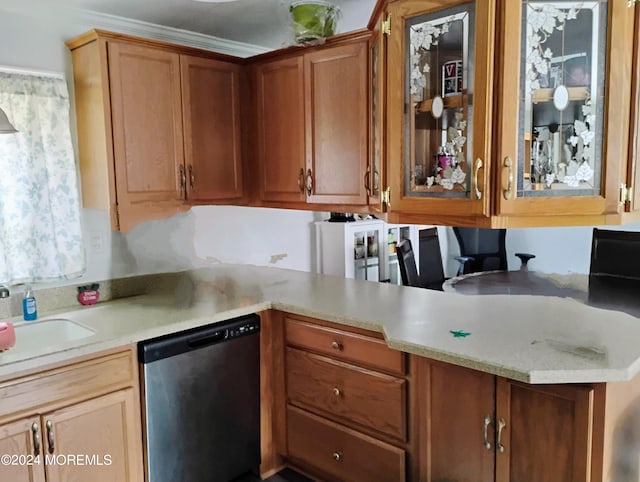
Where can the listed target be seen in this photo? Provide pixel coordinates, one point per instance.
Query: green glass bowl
(312, 19)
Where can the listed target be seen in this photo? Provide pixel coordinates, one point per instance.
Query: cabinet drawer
(342, 453)
(344, 345)
(371, 399)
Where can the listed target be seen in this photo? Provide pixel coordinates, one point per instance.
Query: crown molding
(91, 19)
(167, 34)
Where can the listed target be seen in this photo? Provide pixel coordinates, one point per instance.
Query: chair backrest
(431, 270)
(486, 246)
(614, 272)
(407, 263)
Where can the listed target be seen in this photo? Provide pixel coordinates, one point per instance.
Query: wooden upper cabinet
(159, 126)
(312, 125)
(147, 124)
(564, 83)
(547, 432)
(280, 129)
(211, 115)
(632, 194)
(336, 89)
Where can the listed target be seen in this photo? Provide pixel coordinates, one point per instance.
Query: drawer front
(79, 380)
(374, 400)
(344, 345)
(342, 453)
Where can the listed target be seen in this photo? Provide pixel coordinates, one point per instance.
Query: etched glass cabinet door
(564, 90)
(440, 75)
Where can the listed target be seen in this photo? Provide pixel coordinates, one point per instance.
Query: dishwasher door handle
(207, 339)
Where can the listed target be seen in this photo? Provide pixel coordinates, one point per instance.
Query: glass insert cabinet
(507, 108)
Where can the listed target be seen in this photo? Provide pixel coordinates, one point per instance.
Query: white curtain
(40, 227)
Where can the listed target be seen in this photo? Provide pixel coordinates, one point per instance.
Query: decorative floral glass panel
(438, 103)
(561, 108)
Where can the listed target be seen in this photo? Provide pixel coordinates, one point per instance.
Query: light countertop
(535, 339)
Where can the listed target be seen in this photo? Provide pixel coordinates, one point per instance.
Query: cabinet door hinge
(386, 197)
(626, 194)
(386, 26)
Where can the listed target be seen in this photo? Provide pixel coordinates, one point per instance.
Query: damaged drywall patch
(277, 257)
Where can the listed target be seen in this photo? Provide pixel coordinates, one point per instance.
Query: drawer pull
(336, 391)
(336, 346)
(501, 425)
(35, 429)
(50, 439)
(487, 422)
(337, 456)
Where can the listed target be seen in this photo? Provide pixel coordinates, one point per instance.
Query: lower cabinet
(74, 431)
(347, 398)
(477, 427)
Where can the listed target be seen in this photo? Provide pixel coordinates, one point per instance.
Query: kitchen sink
(51, 331)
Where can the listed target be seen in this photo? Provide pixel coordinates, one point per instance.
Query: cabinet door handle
(309, 182)
(508, 163)
(336, 346)
(337, 456)
(37, 441)
(50, 439)
(487, 422)
(367, 176)
(336, 391)
(477, 168)
(183, 179)
(501, 425)
(301, 180)
(192, 177)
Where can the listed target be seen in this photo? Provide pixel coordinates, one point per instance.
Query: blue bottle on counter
(29, 309)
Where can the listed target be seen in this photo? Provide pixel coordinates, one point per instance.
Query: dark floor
(286, 475)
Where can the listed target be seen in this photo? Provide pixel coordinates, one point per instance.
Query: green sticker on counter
(459, 333)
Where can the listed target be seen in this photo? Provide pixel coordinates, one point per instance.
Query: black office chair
(431, 272)
(407, 264)
(484, 250)
(614, 272)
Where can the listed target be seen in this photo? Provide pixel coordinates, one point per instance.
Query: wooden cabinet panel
(17, 439)
(342, 453)
(280, 129)
(147, 124)
(336, 117)
(343, 345)
(105, 430)
(547, 434)
(211, 115)
(453, 411)
(372, 400)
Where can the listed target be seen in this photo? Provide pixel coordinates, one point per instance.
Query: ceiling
(265, 23)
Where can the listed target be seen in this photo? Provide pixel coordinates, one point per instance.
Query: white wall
(213, 234)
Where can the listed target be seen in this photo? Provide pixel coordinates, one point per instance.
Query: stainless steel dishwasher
(202, 402)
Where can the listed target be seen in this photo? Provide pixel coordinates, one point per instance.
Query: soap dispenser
(29, 309)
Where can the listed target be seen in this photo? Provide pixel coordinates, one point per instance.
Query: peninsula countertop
(534, 339)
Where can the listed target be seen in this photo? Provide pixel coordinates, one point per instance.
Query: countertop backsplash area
(61, 298)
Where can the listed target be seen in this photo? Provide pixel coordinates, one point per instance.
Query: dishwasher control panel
(244, 329)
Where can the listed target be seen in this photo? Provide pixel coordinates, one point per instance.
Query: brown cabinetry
(158, 127)
(352, 393)
(478, 427)
(497, 118)
(312, 125)
(76, 422)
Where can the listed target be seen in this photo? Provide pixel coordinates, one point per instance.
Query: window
(40, 228)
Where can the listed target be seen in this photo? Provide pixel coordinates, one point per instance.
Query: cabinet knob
(183, 178)
(192, 178)
(367, 176)
(336, 346)
(337, 456)
(336, 391)
(301, 180)
(309, 182)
